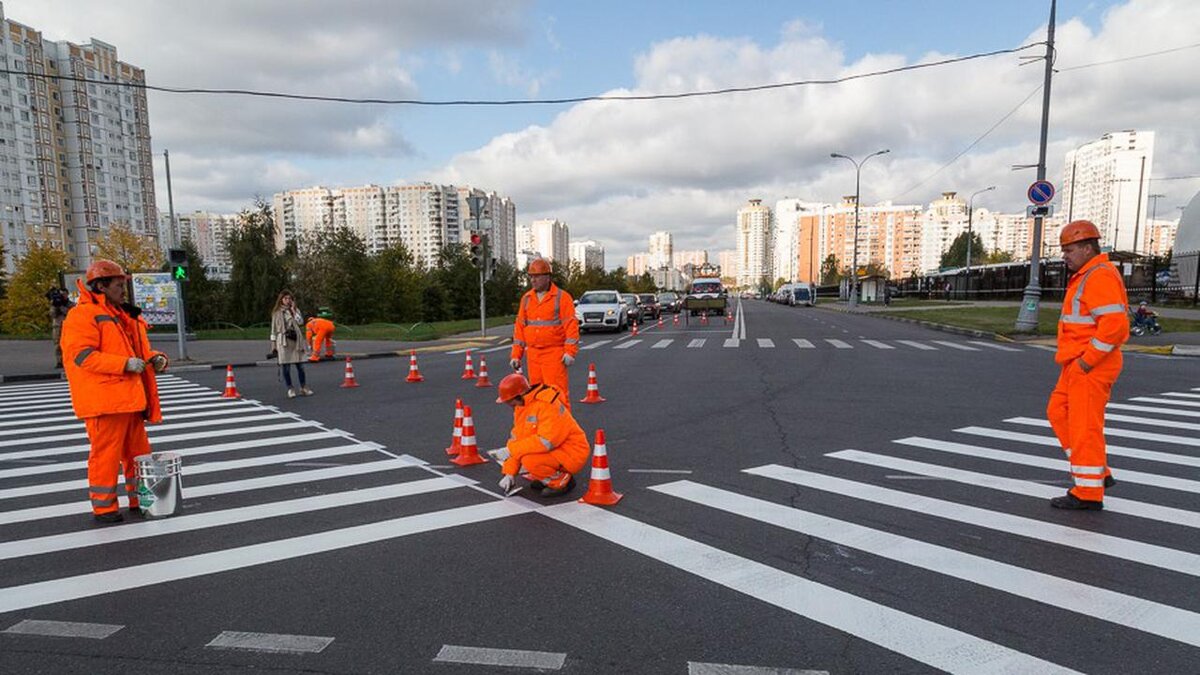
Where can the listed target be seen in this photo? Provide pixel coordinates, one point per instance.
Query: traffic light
(179, 261)
(477, 249)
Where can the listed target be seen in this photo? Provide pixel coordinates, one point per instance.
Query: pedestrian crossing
(1103, 572)
(652, 341)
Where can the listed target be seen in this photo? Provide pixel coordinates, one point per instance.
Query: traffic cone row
(593, 390)
(468, 368)
(414, 373)
(230, 386)
(456, 437)
(469, 454)
(599, 490)
(483, 380)
(348, 381)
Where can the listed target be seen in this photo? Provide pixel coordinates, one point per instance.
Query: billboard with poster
(155, 293)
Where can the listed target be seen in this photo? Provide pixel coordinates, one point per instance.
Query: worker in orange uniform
(106, 352)
(1091, 330)
(546, 331)
(319, 331)
(546, 441)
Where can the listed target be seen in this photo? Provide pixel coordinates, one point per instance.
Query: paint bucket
(159, 490)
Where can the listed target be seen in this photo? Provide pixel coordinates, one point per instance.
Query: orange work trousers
(543, 465)
(320, 338)
(116, 440)
(546, 367)
(1076, 413)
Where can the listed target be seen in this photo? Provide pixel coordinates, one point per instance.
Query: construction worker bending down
(546, 331)
(1091, 330)
(106, 351)
(319, 331)
(546, 441)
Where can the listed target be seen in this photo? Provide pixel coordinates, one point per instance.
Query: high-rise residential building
(1107, 181)
(788, 236)
(550, 238)
(587, 253)
(944, 221)
(661, 248)
(754, 254)
(75, 155)
(889, 237)
(637, 264)
(209, 233)
(694, 258)
(1160, 236)
(728, 262)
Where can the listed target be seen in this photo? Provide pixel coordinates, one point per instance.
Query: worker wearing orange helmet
(1091, 330)
(546, 441)
(546, 331)
(106, 352)
(319, 331)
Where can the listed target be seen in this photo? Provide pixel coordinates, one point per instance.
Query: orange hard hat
(512, 386)
(104, 269)
(1078, 230)
(538, 266)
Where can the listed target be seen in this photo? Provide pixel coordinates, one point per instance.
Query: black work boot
(555, 488)
(1109, 481)
(1071, 502)
(108, 518)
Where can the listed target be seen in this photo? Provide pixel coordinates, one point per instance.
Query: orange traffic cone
(593, 390)
(230, 386)
(470, 453)
(483, 380)
(456, 438)
(600, 490)
(468, 368)
(348, 381)
(634, 333)
(676, 322)
(704, 318)
(414, 374)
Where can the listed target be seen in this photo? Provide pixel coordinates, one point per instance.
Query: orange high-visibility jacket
(317, 325)
(544, 424)
(1093, 323)
(97, 340)
(549, 322)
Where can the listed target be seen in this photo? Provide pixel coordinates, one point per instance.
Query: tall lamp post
(858, 164)
(1150, 249)
(476, 204)
(970, 223)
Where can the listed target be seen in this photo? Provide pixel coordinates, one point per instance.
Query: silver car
(601, 310)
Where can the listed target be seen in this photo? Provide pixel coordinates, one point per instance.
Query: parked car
(601, 310)
(670, 302)
(632, 308)
(651, 310)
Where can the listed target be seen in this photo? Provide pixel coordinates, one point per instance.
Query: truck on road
(705, 296)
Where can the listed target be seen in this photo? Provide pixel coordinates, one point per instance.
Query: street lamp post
(1149, 249)
(476, 204)
(857, 198)
(970, 223)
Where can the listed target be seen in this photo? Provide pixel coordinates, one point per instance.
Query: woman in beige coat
(287, 332)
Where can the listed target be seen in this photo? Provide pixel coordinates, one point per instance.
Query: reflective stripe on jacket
(97, 341)
(1094, 321)
(549, 322)
(544, 424)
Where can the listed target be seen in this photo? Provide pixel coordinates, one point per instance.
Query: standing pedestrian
(112, 391)
(1091, 330)
(60, 304)
(286, 326)
(546, 331)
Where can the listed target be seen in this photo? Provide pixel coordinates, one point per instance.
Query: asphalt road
(804, 490)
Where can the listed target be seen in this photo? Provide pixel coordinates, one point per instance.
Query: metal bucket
(159, 486)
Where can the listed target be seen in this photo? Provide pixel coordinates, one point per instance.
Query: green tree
(399, 283)
(3, 273)
(829, 271)
(779, 282)
(130, 250)
(26, 309)
(204, 298)
(956, 255)
(504, 290)
(434, 302)
(996, 257)
(258, 272)
(458, 277)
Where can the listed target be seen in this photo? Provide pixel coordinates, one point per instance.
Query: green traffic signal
(179, 272)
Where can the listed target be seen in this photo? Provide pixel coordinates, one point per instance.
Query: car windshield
(706, 287)
(598, 299)
(630, 299)
(646, 298)
(801, 293)
(667, 297)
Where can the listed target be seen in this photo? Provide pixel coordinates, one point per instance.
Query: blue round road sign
(1041, 192)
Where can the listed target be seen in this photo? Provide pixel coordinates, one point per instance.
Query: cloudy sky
(617, 171)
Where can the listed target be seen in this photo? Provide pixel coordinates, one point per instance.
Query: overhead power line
(1129, 58)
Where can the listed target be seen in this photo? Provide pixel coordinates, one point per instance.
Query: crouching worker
(546, 443)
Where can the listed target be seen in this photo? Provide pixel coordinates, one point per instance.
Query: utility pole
(1137, 216)
(1027, 318)
(853, 300)
(970, 223)
(1153, 258)
(180, 317)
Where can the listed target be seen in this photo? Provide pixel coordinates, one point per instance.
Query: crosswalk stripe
(839, 344)
(766, 343)
(1093, 601)
(703, 668)
(1052, 442)
(1045, 348)
(993, 345)
(662, 344)
(957, 345)
(1124, 433)
(66, 404)
(168, 422)
(696, 343)
(1180, 394)
(176, 405)
(43, 593)
(228, 487)
(803, 344)
(7, 400)
(1086, 540)
(157, 440)
(1151, 422)
(1129, 507)
(63, 629)
(1152, 409)
(150, 430)
(919, 639)
(1168, 401)
(627, 344)
(733, 342)
(200, 521)
(593, 345)
(244, 408)
(918, 345)
(1126, 475)
(877, 344)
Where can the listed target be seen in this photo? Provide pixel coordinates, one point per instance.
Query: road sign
(1041, 192)
(1039, 211)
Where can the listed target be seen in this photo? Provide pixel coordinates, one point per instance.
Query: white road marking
(68, 629)
(1151, 422)
(1074, 596)
(1124, 433)
(680, 471)
(803, 344)
(1028, 488)
(993, 345)
(499, 348)
(699, 668)
(627, 344)
(1168, 401)
(733, 342)
(270, 642)
(840, 344)
(766, 343)
(243, 408)
(1180, 394)
(1052, 442)
(65, 405)
(919, 639)
(956, 345)
(1045, 348)
(511, 658)
(662, 344)
(696, 343)
(457, 351)
(593, 345)
(918, 345)
(39, 594)
(156, 440)
(204, 404)
(1153, 409)
(225, 418)
(877, 344)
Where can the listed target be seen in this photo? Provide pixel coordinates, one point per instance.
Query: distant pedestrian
(60, 304)
(286, 326)
(946, 290)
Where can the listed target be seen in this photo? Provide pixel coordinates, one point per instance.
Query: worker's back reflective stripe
(83, 354)
(100, 318)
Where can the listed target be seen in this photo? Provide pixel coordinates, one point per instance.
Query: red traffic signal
(476, 239)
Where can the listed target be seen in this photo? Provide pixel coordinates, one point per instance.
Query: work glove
(158, 362)
(499, 454)
(507, 482)
(568, 359)
(515, 364)
(134, 365)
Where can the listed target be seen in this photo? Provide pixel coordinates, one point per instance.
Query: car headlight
(610, 312)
